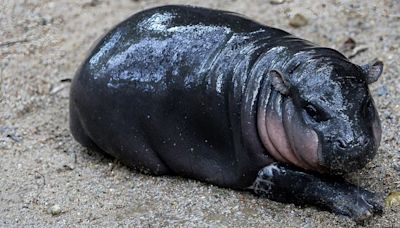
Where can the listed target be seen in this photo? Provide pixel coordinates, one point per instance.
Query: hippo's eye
(315, 113)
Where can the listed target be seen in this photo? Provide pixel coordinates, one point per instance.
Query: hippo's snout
(348, 156)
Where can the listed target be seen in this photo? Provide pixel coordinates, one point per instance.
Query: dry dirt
(43, 42)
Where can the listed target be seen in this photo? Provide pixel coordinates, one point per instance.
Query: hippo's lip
(286, 137)
(280, 145)
(310, 152)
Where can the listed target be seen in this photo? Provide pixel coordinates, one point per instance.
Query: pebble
(54, 210)
(298, 20)
(348, 45)
(392, 199)
(276, 2)
(383, 91)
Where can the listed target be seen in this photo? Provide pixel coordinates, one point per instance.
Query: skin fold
(214, 96)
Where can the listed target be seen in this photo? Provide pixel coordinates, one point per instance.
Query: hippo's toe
(359, 205)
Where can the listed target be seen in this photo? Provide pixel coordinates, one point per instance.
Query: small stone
(298, 20)
(393, 199)
(65, 167)
(46, 20)
(348, 45)
(276, 2)
(69, 167)
(383, 91)
(54, 210)
(92, 3)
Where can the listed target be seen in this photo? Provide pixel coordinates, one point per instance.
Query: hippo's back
(167, 45)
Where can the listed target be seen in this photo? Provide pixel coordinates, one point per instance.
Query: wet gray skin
(216, 97)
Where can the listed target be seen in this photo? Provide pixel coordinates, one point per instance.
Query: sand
(47, 179)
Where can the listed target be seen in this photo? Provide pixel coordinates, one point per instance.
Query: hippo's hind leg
(284, 184)
(145, 161)
(138, 154)
(78, 132)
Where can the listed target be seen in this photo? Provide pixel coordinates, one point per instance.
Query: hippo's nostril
(341, 144)
(364, 141)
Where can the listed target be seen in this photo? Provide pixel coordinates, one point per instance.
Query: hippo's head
(320, 115)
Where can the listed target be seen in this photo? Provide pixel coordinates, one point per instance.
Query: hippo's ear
(279, 82)
(373, 70)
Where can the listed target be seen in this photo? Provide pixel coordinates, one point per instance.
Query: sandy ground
(43, 42)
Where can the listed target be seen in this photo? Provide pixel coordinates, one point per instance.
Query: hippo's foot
(284, 184)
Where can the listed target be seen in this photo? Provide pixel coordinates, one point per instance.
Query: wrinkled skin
(216, 97)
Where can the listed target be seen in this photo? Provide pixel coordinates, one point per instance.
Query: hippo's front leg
(285, 184)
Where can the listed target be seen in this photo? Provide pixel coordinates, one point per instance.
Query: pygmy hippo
(217, 97)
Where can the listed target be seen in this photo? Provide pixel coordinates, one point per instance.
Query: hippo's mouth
(286, 137)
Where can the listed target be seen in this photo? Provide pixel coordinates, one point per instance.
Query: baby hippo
(214, 96)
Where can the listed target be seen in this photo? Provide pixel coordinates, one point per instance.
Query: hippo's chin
(338, 163)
